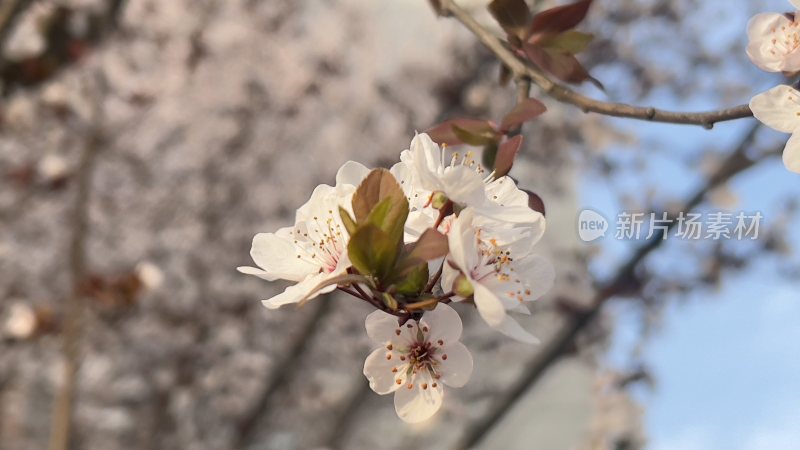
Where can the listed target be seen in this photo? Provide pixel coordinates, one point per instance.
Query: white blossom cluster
(774, 46)
(484, 234)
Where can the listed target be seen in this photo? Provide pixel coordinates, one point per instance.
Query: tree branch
(565, 337)
(522, 69)
(75, 308)
(283, 371)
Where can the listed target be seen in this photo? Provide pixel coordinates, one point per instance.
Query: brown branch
(248, 426)
(75, 307)
(564, 339)
(522, 69)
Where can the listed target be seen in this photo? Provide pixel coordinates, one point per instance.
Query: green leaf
(390, 218)
(380, 201)
(372, 251)
(570, 42)
(414, 282)
(512, 15)
(348, 221)
(475, 137)
(378, 185)
(343, 280)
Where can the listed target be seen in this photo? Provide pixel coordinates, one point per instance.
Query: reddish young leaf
(445, 134)
(513, 15)
(563, 66)
(535, 202)
(560, 18)
(525, 110)
(505, 156)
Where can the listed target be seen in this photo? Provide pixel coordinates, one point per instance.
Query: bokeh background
(144, 142)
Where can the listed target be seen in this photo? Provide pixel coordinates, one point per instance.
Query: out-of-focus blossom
(779, 108)
(774, 41)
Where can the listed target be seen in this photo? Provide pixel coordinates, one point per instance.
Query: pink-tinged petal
(381, 327)
(791, 154)
(443, 324)
(489, 305)
(420, 402)
(538, 275)
(514, 330)
(276, 254)
(767, 47)
(351, 173)
(455, 363)
(383, 368)
(778, 108)
(297, 292)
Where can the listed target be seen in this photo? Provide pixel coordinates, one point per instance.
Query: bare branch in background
(283, 371)
(564, 339)
(521, 69)
(75, 307)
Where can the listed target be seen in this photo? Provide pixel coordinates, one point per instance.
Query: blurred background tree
(143, 143)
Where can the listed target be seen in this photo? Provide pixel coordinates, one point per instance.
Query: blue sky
(726, 361)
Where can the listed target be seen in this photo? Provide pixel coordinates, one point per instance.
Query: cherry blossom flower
(779, 108)
(314, 250)
(498, 264)
(415, 359)
(423, 170)
(774, 41)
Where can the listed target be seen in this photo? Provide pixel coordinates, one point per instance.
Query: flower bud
(439, 200)
(462, 286)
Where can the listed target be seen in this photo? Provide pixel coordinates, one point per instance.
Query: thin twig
(565, 337)
(522, 69)
(284, 370)
(75, 308)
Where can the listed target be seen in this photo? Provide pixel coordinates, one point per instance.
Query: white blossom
(424, 169)
(779, 108)
(498, 263)
(415, 359)
(774, 41)
(314, 250)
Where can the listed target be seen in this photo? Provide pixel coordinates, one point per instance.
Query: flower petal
(791, 154)
(761, 47)
(443, 323)
(457, 368)
(462, 242)
(489, 306)
(778, 108)
(538, 275)
(417, 404)
(463, 185)
(514, 330)
(381, 327)
(352, 173)
(378, 370)
(296, 292)
(277, 255)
